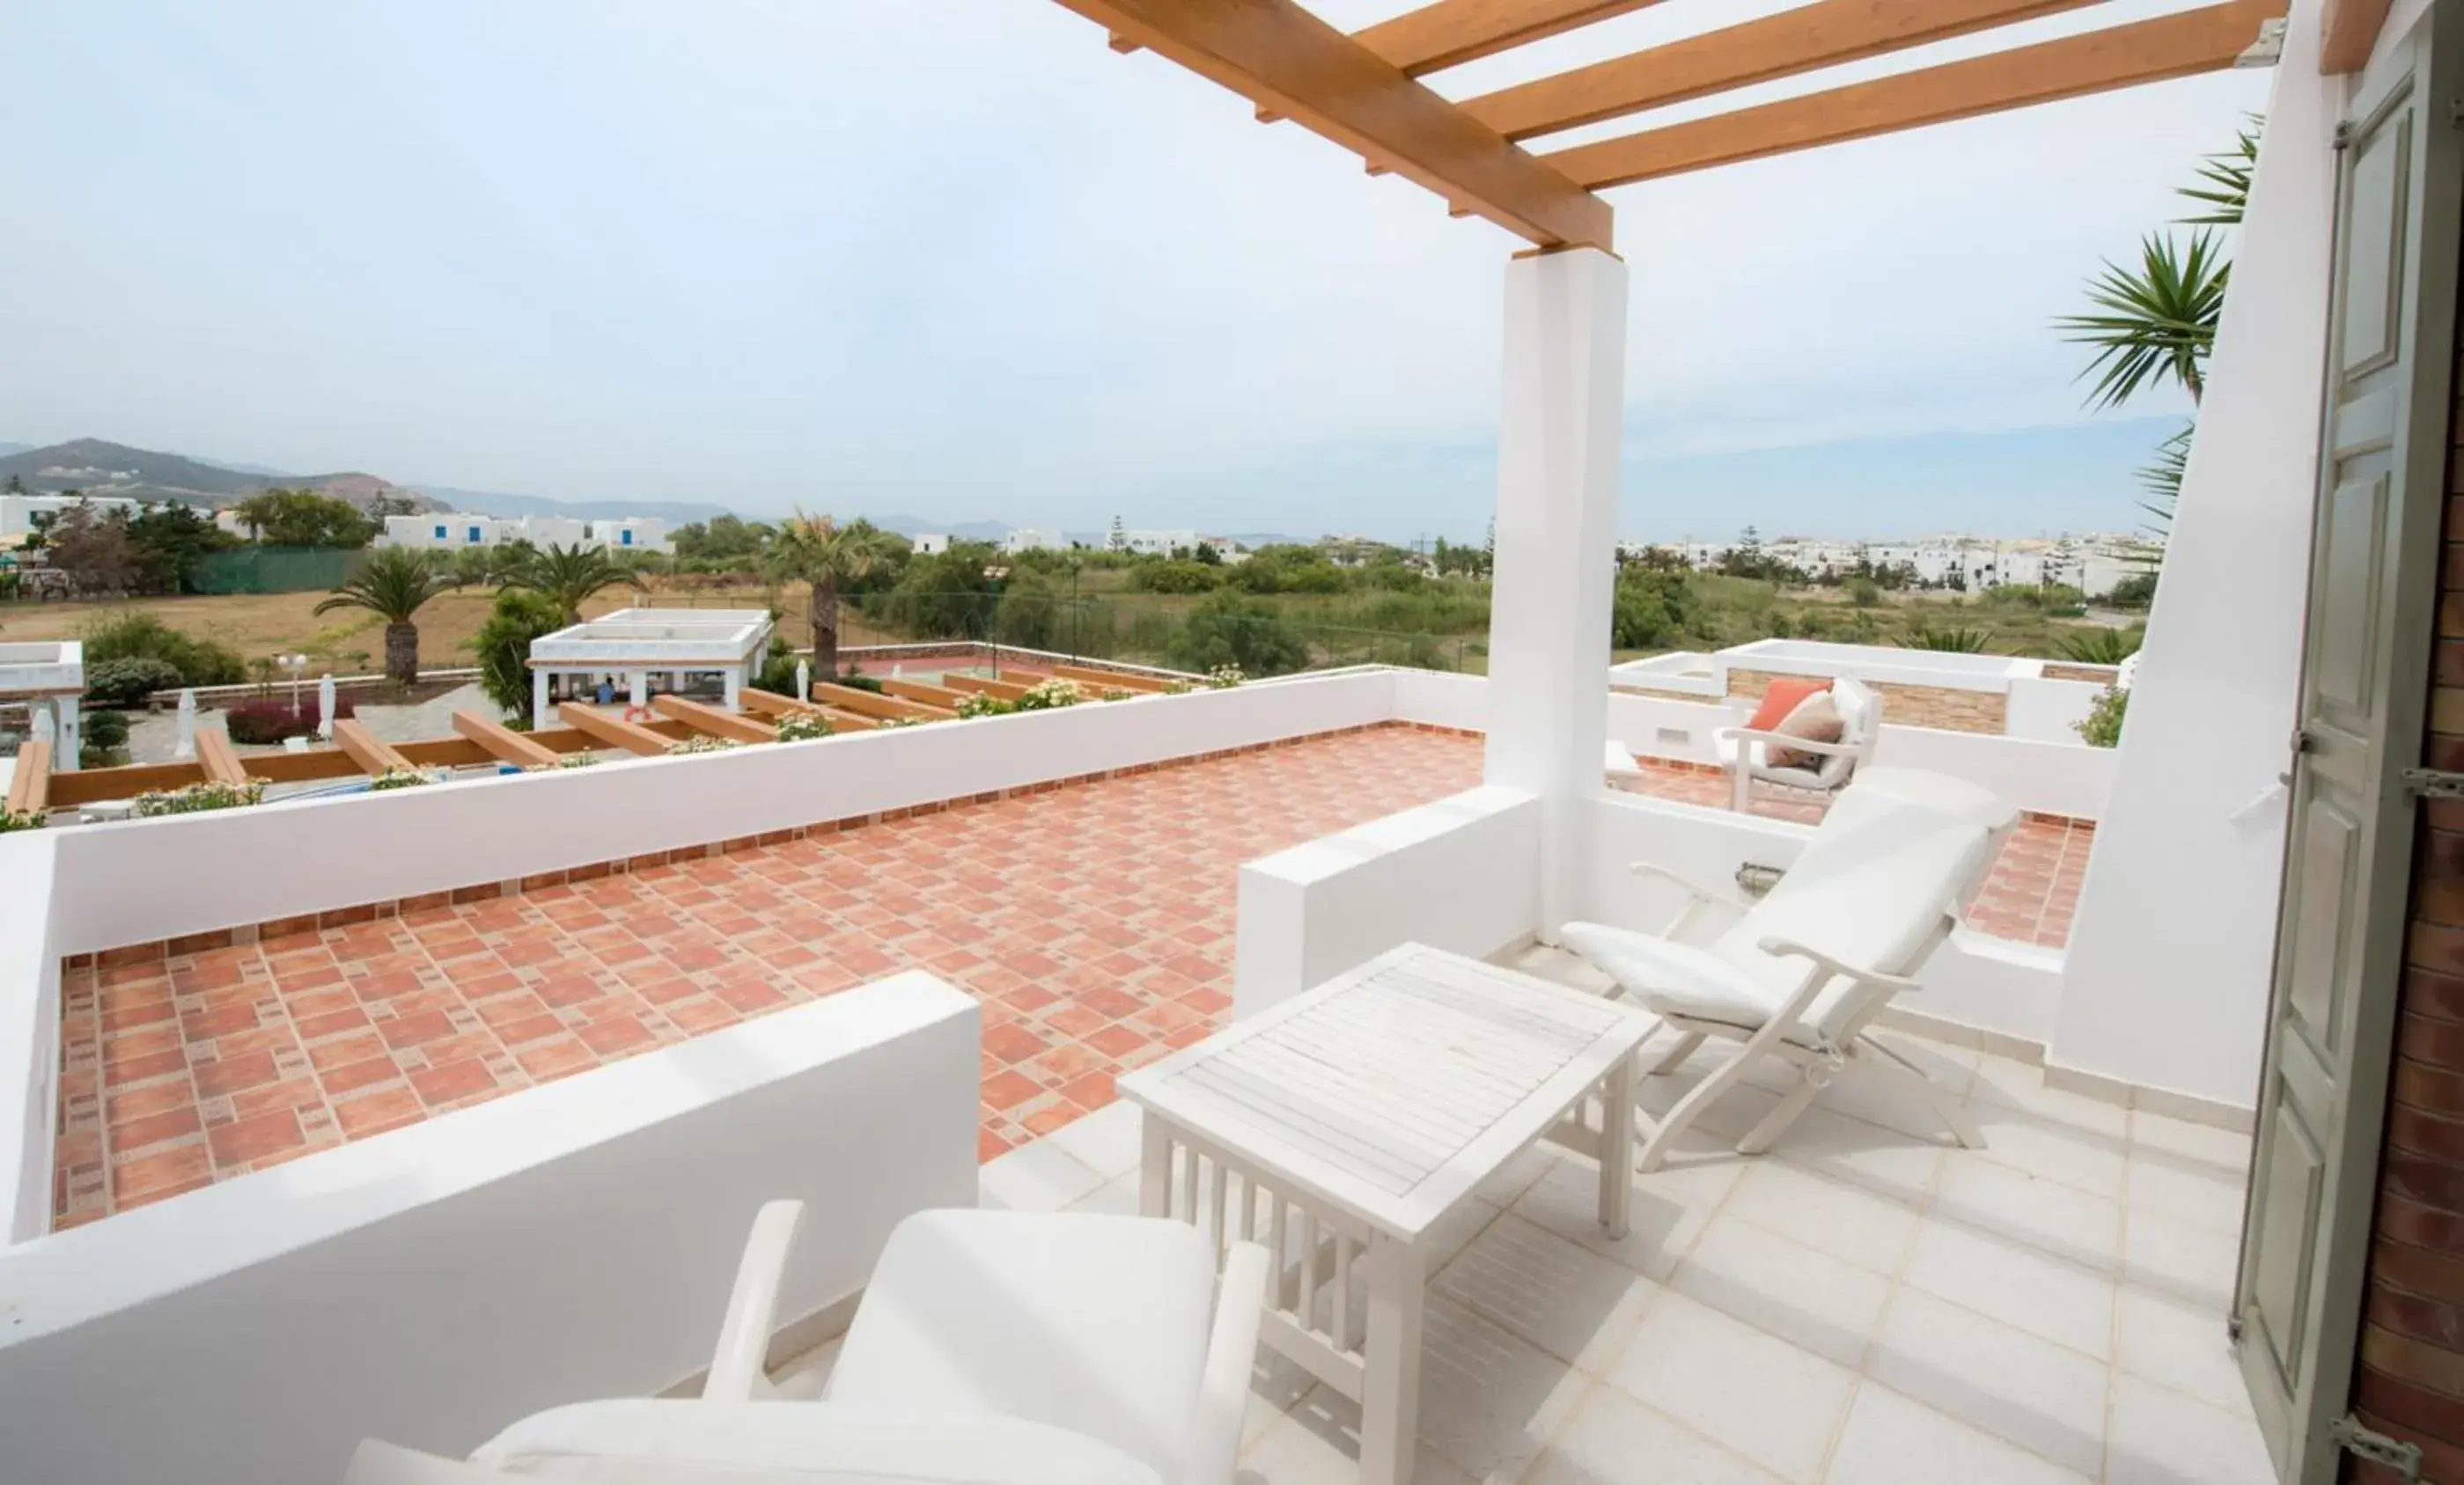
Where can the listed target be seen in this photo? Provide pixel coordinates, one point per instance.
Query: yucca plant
(2155, 324)
(1953, 638)
(394, 585)
(2102, 646)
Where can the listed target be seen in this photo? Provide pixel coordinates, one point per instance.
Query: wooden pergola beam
(1112, 680)
(373, 755)
(219, 759)
(702, 717)
(2179, 44)
(610, 730)
(1006, 690)
(866, 704)
(30, 785)
(2348, 30)
(1811, 36)
(940, 696)
(94, 785)
(1453, 32)
(502, 743)
(1295, 66)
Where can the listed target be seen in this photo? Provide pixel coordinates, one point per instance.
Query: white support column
(733, 682)
(1558, 445)
(639, 695)
(539, 715)
(72, 734)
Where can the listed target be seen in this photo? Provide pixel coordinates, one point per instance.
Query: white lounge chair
(1746, 754)
(991, 1348)
(1802, 972)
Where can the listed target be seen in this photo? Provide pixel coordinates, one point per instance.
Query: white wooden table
(1341, 1126)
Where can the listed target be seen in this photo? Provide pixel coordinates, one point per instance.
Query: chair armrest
(1785, 949)
(737, 1369)
(1699, 896)
(1795, 744)
(1231, 1351)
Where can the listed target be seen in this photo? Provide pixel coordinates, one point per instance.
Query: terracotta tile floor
(2029, 897)
(1095, 923)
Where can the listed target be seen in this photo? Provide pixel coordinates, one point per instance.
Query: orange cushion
(1785, 692)
(1815, 720)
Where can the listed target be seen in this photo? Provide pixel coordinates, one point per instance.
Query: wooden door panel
(2374, 269)
(2324, 884)
(2350, 592)
(2280, 1284)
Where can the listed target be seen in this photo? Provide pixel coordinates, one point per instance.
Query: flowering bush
(1119, 693)
(983, 703)
(1222, 678)
(802, 727)
(19, 819)
(1176, 687)
(1045, 694)
(398, 779)
(260, 724)
(703, 745)
(2101, 727)
(901, 722)
(195, 798)
(576, 760)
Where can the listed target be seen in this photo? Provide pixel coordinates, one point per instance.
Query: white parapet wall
(29, 1024)
(1461, 874)
(432, 1284)
(2066, 778)
(143, 881)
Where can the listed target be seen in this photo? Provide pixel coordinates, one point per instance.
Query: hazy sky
(956, 258)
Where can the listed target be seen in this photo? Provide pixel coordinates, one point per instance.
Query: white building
(928, 543)
(439, 531)
(1162, 543)
(20, 514)
(1033, 539)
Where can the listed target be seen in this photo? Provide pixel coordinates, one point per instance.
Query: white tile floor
(1864, 1306)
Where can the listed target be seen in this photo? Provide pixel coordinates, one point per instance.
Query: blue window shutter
(440, 533)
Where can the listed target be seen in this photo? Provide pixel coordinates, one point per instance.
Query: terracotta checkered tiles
(2030, 896)
(1093, 922)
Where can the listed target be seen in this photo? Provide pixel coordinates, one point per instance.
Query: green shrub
(778, 670)
(20, 820)
(503, 644)
(2101, 727)
(2102, 646)
(1029, 611)
(806, 726)
(1048, 695)
(128, 682)
(1227, 629)
(105, 734)
(974, 704)
(1174, 576)
(1951, 638)
(398, 779)
(133, 635)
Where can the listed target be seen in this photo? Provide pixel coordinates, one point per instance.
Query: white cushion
(1883, 875)
(1093, 1323)
(1678, 979)
(653, 1441)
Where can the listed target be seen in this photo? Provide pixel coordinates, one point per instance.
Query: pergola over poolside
(638, 642)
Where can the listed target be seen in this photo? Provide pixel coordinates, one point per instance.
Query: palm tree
(570, 575)
(821, 552)
(2156, 324)
(395, 585)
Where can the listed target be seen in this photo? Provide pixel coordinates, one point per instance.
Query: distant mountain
(100, 468)
(6, 449)
(488, 502)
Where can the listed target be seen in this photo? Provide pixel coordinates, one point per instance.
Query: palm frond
(2225, 180)
(2156, 324)
(395, 585)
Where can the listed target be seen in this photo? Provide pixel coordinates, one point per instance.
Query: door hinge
(2434, 784)
(2343, 136)
(2350, 1435)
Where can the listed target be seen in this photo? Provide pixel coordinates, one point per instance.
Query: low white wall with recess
(429, 1285)
(2168, 972)
(29, 1031)
(139, 881)
(1461, 874)
(2048, 710)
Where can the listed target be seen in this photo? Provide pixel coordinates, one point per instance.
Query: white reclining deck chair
(1804, 971)
(1746, 754)
(991, 1348)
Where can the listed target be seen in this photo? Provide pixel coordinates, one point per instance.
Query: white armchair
(991, 1348)
(1745, 752)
